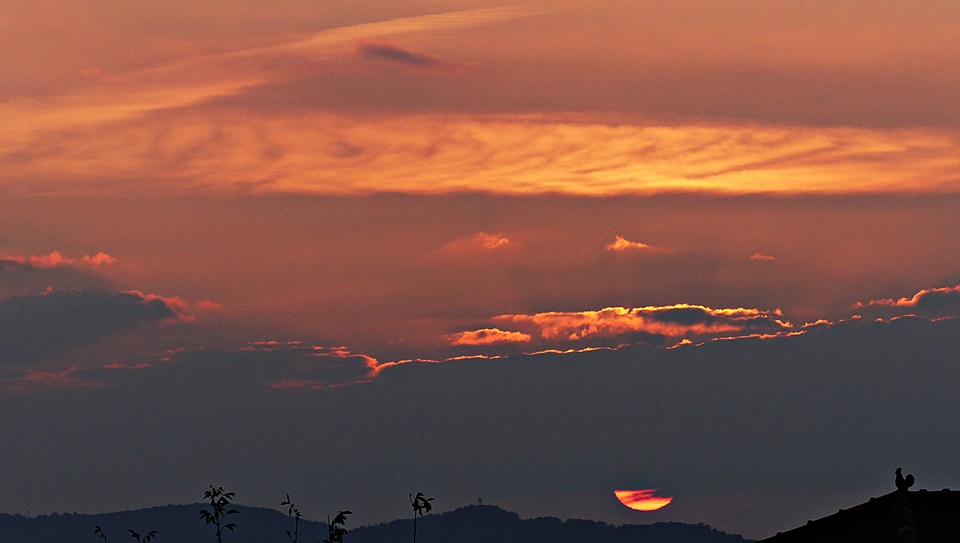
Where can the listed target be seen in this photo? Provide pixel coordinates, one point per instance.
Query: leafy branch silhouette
(337, 527)
(99, 531)
(421, 505)
(219, 501)
(145, 539)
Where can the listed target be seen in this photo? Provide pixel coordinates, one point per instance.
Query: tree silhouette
(336, 527)
(219, 500)
(145, 539)
(421, 505)
(295, 513)
(99, 531)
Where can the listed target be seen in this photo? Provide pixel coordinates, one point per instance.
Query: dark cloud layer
(32, 327)
(392, 53)
(21, 276)
(735, 430)
(932, 303)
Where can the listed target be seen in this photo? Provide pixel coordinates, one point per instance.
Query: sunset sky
(526, 252)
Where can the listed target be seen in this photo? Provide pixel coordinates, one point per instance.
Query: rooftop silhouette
(902, 516)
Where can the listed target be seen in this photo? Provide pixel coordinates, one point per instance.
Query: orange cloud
(487, 336)
(54, 259)
(623, 244)
(480, 242)
(40, 380)
(676, 321)
(492, 241)
(762, 257)
(270, 346)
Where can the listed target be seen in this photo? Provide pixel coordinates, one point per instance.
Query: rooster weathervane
(903, 483)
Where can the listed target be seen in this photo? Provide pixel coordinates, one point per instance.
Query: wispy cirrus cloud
(110, 97)
(441, 154)
(176, 120)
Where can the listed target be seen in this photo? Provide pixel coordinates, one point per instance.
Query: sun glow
(642, 500)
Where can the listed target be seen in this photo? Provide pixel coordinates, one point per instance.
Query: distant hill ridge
(471, 524)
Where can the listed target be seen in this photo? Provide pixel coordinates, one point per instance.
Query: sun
(642, 500)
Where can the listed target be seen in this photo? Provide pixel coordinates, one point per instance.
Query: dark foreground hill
(473, 524)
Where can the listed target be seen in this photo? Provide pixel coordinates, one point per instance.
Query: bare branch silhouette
(295, 513)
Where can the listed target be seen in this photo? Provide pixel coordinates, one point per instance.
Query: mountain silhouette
(488, 524)
(471, 524)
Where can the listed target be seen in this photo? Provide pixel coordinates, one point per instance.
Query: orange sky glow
(402, 213)
(182, 121)
(427, 154)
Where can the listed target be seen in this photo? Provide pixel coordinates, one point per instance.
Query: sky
(529, 253)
